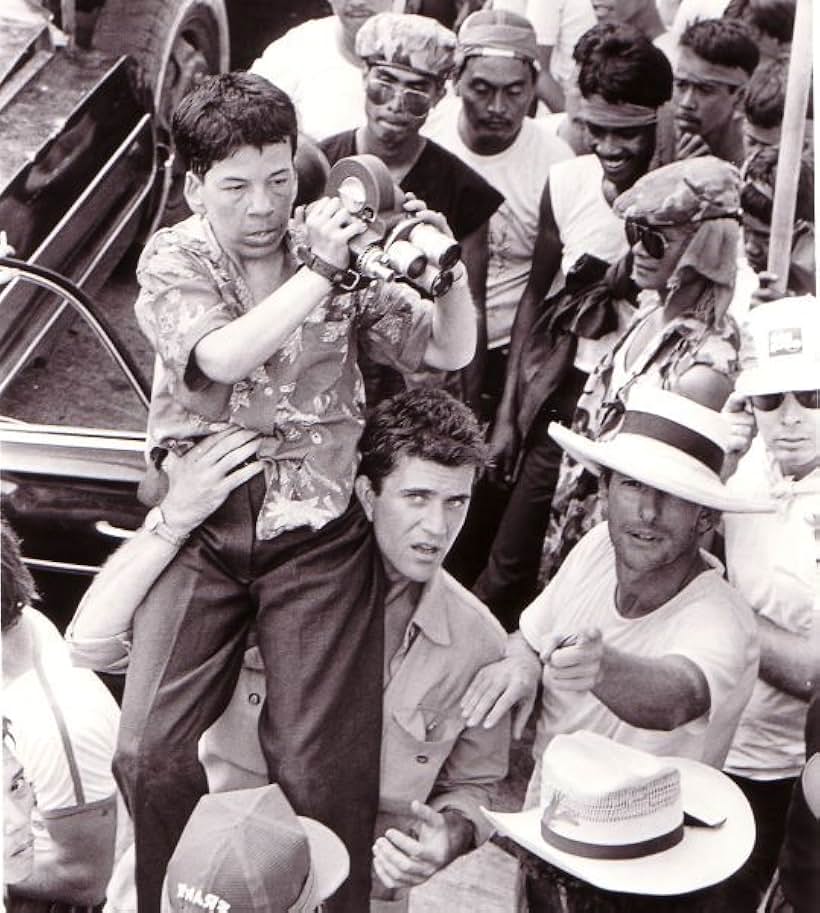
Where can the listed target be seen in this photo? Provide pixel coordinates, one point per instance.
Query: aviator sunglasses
(414, 101)
(768, 402)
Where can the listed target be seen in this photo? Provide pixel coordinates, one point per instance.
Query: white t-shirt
(586, 225)
(325, 86)
(773, 560)
(519, 173)
(558, 24)
(91, 719)
(707, 622)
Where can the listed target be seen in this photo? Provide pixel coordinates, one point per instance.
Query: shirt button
(254, 698)
(422, 758)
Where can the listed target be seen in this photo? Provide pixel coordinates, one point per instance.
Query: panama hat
(627, 821)
(670, 442)
(780, 347)
(248, 852)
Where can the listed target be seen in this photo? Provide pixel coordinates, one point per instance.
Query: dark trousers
(769, 800)
(509, 582)
(318, 602)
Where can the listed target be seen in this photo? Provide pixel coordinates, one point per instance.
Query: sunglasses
(768, 402)
(654, 243)
(414, 101)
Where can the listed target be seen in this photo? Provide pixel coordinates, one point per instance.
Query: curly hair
(623, 66)
(228, 111)
(427, 423)
(17, 587)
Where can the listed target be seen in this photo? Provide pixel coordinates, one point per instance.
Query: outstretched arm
(199, 482)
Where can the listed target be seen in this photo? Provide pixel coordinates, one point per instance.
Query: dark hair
(228, 111)
(774, 18)
(427, 423)
(761, 169)
(622, 65)
(765, 95)
(17, 587)
(725, 42)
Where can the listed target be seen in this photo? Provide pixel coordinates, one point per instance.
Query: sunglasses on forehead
(414, 101)
(768, 402)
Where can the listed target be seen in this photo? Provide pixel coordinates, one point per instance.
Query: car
(87, 89)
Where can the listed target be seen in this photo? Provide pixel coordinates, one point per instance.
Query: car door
(71, 451)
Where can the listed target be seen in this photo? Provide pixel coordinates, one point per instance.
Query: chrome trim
(65, 567)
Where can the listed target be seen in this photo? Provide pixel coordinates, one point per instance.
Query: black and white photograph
(497, 323)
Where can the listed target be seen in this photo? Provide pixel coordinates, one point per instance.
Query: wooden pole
(791, 146)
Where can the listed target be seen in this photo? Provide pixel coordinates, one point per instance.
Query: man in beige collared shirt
(421, 451)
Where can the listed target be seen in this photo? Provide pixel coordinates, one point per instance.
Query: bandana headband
(624, 114)
(696, 69)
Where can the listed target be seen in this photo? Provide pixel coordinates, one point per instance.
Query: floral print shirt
(307, 400)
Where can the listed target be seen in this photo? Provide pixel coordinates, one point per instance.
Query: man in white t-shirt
(60, 724)
(638, 637)
(316, 65)
(486, 126)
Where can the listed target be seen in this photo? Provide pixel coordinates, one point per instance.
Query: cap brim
(705, 856)
(329, 856)
(660, 465)
(785, 377)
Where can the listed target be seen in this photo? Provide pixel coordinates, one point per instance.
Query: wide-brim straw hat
(707, 854)
(669, 442)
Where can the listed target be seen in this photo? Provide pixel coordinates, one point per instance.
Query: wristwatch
(155, 523)
(346, 278)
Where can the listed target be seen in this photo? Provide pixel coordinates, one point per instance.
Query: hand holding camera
(367, 227)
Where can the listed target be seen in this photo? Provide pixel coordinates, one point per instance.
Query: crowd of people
(571, 487)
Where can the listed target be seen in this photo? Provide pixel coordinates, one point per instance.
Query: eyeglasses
(654, 243)
(768, 402)
(414, 101)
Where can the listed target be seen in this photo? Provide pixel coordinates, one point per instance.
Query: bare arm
(78, 864)
(199, 482)
(230, 353)
(476, 256)
(651, 693)
(546, 262)
(547, 88)
(788, 661)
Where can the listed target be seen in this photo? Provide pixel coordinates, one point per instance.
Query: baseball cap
(246, 851)
(780, 347)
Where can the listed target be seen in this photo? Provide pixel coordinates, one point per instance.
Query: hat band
(613, 851)
(623, 114)
(696, 445)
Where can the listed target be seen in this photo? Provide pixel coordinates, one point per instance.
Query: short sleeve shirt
(307, 399)
(707, 622)
(445, 183)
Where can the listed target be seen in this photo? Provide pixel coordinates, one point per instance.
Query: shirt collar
(430, 615)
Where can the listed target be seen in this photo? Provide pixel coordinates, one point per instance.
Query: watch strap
(155, 523)
(342, 276)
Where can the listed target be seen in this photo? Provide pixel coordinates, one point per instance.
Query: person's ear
(366, 495)
(707, 520)
(192, 191)
(439, 91)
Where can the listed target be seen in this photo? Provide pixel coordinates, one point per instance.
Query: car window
(71, 380)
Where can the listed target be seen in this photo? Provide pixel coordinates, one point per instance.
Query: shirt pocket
(417, 742)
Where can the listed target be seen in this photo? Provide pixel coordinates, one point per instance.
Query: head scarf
(416, 43)
(703, 191)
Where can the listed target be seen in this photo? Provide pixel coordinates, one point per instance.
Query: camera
(396, 244)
